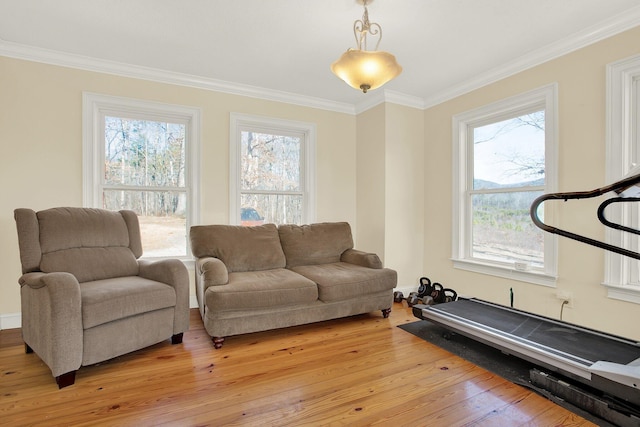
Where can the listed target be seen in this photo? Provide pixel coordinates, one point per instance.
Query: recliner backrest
(91, 244)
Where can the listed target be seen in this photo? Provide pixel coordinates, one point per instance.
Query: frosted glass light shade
(366, 70)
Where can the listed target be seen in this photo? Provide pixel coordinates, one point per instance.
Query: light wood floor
(362, 370)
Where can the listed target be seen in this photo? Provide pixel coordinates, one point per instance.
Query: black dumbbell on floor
(398, 296)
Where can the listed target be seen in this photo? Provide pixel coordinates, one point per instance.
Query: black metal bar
(617, 187)
(610, 224)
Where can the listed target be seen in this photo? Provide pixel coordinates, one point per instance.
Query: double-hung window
(142, 156)
(504, 157)
(622, 274)
(271, 171)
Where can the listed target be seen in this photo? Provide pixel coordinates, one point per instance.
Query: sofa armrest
(174, 273)
(365, 259)
(211, 271)
(52, 319)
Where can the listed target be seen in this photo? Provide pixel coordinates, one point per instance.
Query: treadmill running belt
(580, 342)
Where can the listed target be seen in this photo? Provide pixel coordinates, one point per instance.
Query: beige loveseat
(251, 279)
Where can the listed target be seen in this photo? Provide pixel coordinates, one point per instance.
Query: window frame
(622, 160)
(96, 106)
(541, 98)
(239, 122)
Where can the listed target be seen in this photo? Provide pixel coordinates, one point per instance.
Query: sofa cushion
(312, 244)
(260, 289)
(112, 299)
(240, 248)
(339, 281)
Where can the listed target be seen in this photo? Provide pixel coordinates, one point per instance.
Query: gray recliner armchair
(85, 295)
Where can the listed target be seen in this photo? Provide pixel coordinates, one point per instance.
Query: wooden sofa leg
(65, 380)
(177, 338)
(27, 349)
(217, 342)
(386, 312)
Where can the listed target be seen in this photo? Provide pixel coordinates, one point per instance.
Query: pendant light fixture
(366, 69)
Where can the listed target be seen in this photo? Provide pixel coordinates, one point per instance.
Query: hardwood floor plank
(414, 411)
(312, 401)
(325, 375)
(361, 370)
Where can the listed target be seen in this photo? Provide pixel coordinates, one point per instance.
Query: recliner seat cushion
(261, 289)
(107, 300)
(339, 281)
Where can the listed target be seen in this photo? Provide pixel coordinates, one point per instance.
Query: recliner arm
(364, 259)
(52, 319)
(170, 271)
(33, 280)
(174, 273)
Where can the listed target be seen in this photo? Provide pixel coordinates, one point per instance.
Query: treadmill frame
(623, 383)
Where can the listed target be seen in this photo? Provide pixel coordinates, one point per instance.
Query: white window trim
(236, 123)
(94, 105)
(547, 97)
(623, 156)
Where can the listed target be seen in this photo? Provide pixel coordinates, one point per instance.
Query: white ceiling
(286, 46)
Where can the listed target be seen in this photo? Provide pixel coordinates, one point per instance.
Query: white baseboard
(10, 321)
(193, 301)
(406, 290)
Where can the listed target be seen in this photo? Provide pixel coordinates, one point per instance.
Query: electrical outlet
(565, 296)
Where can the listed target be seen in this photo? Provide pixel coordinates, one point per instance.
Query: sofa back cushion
(91, 244)
(314, 244)
(240, 248)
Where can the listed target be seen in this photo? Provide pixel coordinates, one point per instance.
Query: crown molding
(30, 53)
(381, 96)
(372, 99)
(403, 99)
(608, 28)
(596, 33)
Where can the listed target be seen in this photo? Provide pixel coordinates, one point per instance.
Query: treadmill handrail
(614, 225)
(617, 187)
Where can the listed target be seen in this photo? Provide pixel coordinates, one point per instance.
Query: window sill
(623, 293)
(533, 277)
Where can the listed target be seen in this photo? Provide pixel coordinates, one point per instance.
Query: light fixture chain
(363, 27)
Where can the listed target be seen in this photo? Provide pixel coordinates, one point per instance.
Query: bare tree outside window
(271, 182)
(272, 170)
(144, 170)
(508, 174)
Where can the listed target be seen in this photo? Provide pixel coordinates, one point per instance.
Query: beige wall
(386, 171)
(404, 189)
(370, 174)
(581, 85)
(390, 187)
(41, 140)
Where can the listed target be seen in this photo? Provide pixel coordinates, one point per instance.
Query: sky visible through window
(508, 155)
(510, 152)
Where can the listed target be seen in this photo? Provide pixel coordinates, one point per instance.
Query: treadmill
(604, 362)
